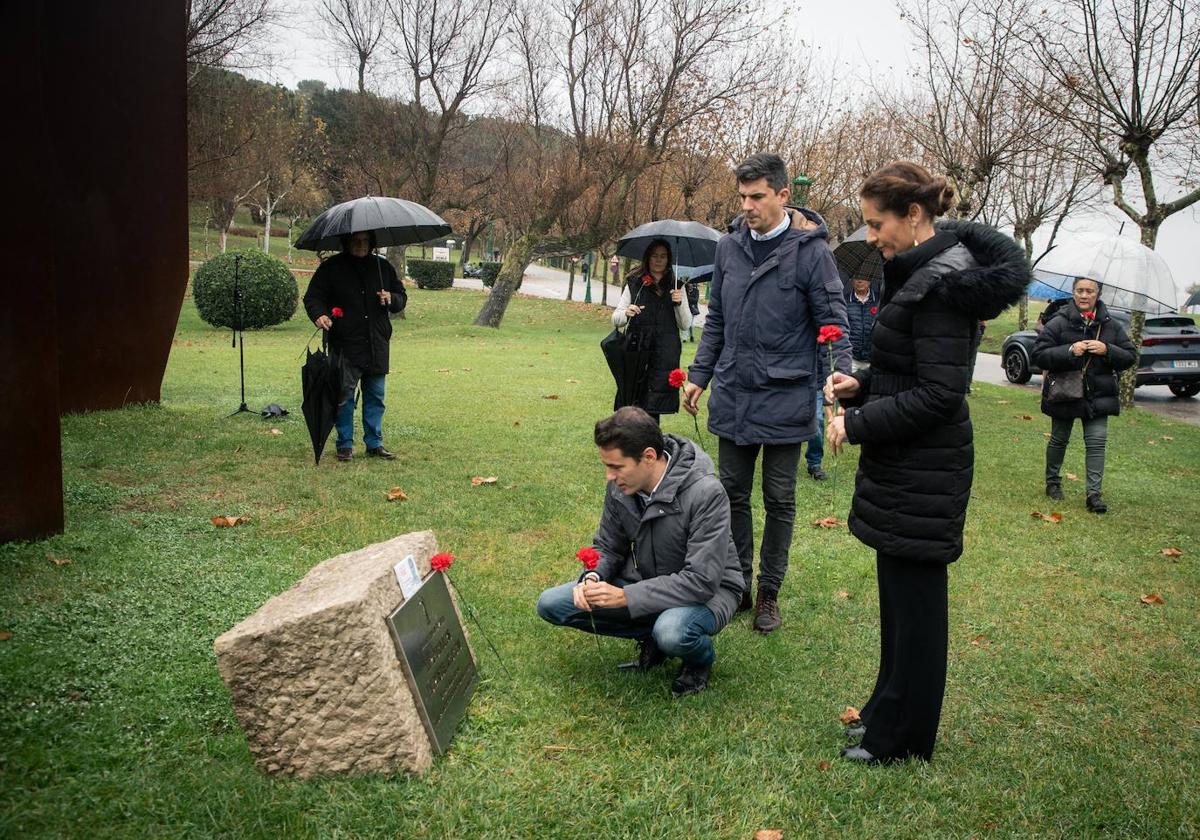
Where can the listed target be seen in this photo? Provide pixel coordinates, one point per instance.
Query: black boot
(1054, 490)
(649, 656)
(747, 601)
(1096, 504)
(691, 680)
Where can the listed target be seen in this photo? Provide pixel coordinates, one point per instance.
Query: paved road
(544, 282)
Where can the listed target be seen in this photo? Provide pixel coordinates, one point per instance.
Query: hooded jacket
(910, 416)
(679, 551)
(1052, 353)
(363, 332)
(759, 348)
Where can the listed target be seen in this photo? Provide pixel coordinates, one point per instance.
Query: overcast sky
(865, 37)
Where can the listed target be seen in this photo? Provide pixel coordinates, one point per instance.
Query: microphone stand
(239, 338)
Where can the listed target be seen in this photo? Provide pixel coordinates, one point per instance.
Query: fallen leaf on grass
(58, 561)
(1072, 477)
(229, 521)
(468, 370)
(274, 431)
(573, 381)
(550, 397)
(1153, 598)
(5, 636)
(1045, 434)
(1003, 402)
(828, 522)
(1023, 416)
(396, 494)
(1053, 518)
(980, 640)
(842, 594)
(1172, 552)
(1167, 437)
(768, 834)
(516, 422)
(478, 480)
(849, 716)
(823, 766)
(1152, 442)
(443, 370)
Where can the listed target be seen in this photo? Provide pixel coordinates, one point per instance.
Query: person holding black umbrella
(653, 312)
(364, 286)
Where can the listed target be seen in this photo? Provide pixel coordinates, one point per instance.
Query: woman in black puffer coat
(909, 413)
(1082, 336)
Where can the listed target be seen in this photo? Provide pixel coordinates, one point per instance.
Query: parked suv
(1170, 353)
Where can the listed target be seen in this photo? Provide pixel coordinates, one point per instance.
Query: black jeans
(779, 501)
(904, 710)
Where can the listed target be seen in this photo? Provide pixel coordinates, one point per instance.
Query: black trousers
(903, 713)
(779, 502)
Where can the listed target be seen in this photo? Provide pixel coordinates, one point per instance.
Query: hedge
(431, 274)
(269, 291)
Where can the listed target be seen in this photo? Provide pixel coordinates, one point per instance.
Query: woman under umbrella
(1082, 345)
(652, 311)
(909, 413)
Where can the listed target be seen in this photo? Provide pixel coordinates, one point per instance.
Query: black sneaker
(692, 679)
(380, 452)
(817, 474)
(1096, 504)
(345, 455)
(1054, 490)
(650, 655)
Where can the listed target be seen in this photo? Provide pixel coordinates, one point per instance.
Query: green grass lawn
(1071, 708)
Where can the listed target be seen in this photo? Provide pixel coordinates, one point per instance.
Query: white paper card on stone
(408, 577)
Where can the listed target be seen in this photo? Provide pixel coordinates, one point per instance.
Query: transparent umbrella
(1133, 276)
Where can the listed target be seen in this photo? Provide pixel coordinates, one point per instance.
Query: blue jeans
(814, 447)
(685, 632)
(372, 413)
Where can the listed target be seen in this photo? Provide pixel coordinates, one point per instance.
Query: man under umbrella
(365, 288)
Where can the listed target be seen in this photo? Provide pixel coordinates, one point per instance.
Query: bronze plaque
(433, 650)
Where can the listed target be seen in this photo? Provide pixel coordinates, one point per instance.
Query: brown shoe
(766, 611)
(344, 455)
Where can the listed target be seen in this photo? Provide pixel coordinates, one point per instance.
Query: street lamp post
(800, 187)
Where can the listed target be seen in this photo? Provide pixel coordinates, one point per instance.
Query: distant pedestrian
(862, 306)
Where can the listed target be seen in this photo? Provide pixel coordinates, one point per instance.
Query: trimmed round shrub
(490, 271)
(431, 274)
(269, 291)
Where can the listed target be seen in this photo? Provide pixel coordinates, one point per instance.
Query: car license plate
(1186, 363)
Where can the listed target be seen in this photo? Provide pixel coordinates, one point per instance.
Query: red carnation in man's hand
(441, 562)
(874, 310)
(829, 334)
(589, 557)
(647, 280)
(337, 312)
(676, 377)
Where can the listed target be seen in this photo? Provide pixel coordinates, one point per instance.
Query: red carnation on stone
(874, 310)
(829, 334)
(337, 312)
(647, 280)
(441, 562)
(676, 377)
(589, 557)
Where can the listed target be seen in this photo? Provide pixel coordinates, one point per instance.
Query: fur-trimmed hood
(1001, 275)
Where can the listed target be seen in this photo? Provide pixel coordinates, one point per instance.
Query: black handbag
(1064, 386)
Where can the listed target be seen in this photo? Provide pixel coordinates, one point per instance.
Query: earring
(915, 242)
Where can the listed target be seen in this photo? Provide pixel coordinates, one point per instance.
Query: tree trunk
(1023, 313)
(571, 281)
(1129, 377)
(516, 260)
(267, 231)
(223, 238)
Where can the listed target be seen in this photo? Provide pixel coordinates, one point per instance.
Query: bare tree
(224, 32)
(356, 27)
(608, 85)
(1127, 79)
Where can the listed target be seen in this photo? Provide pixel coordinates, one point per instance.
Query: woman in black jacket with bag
(1080, 351)
(909, 413)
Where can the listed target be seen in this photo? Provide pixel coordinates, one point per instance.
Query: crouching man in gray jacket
(668, 575)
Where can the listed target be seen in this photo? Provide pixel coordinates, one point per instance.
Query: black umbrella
(394, 221)
(1194, 300)
(321, 382)
(692, 244)
(856, 259)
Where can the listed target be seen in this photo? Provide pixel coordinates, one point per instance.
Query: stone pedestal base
(314, 676)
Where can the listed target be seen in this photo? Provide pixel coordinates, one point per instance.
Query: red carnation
(829, 334)
(589, 557)
(647, 280)
(676, 377)
(337, 312)
(1089, 315)
(441, 562)
(874, 310)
